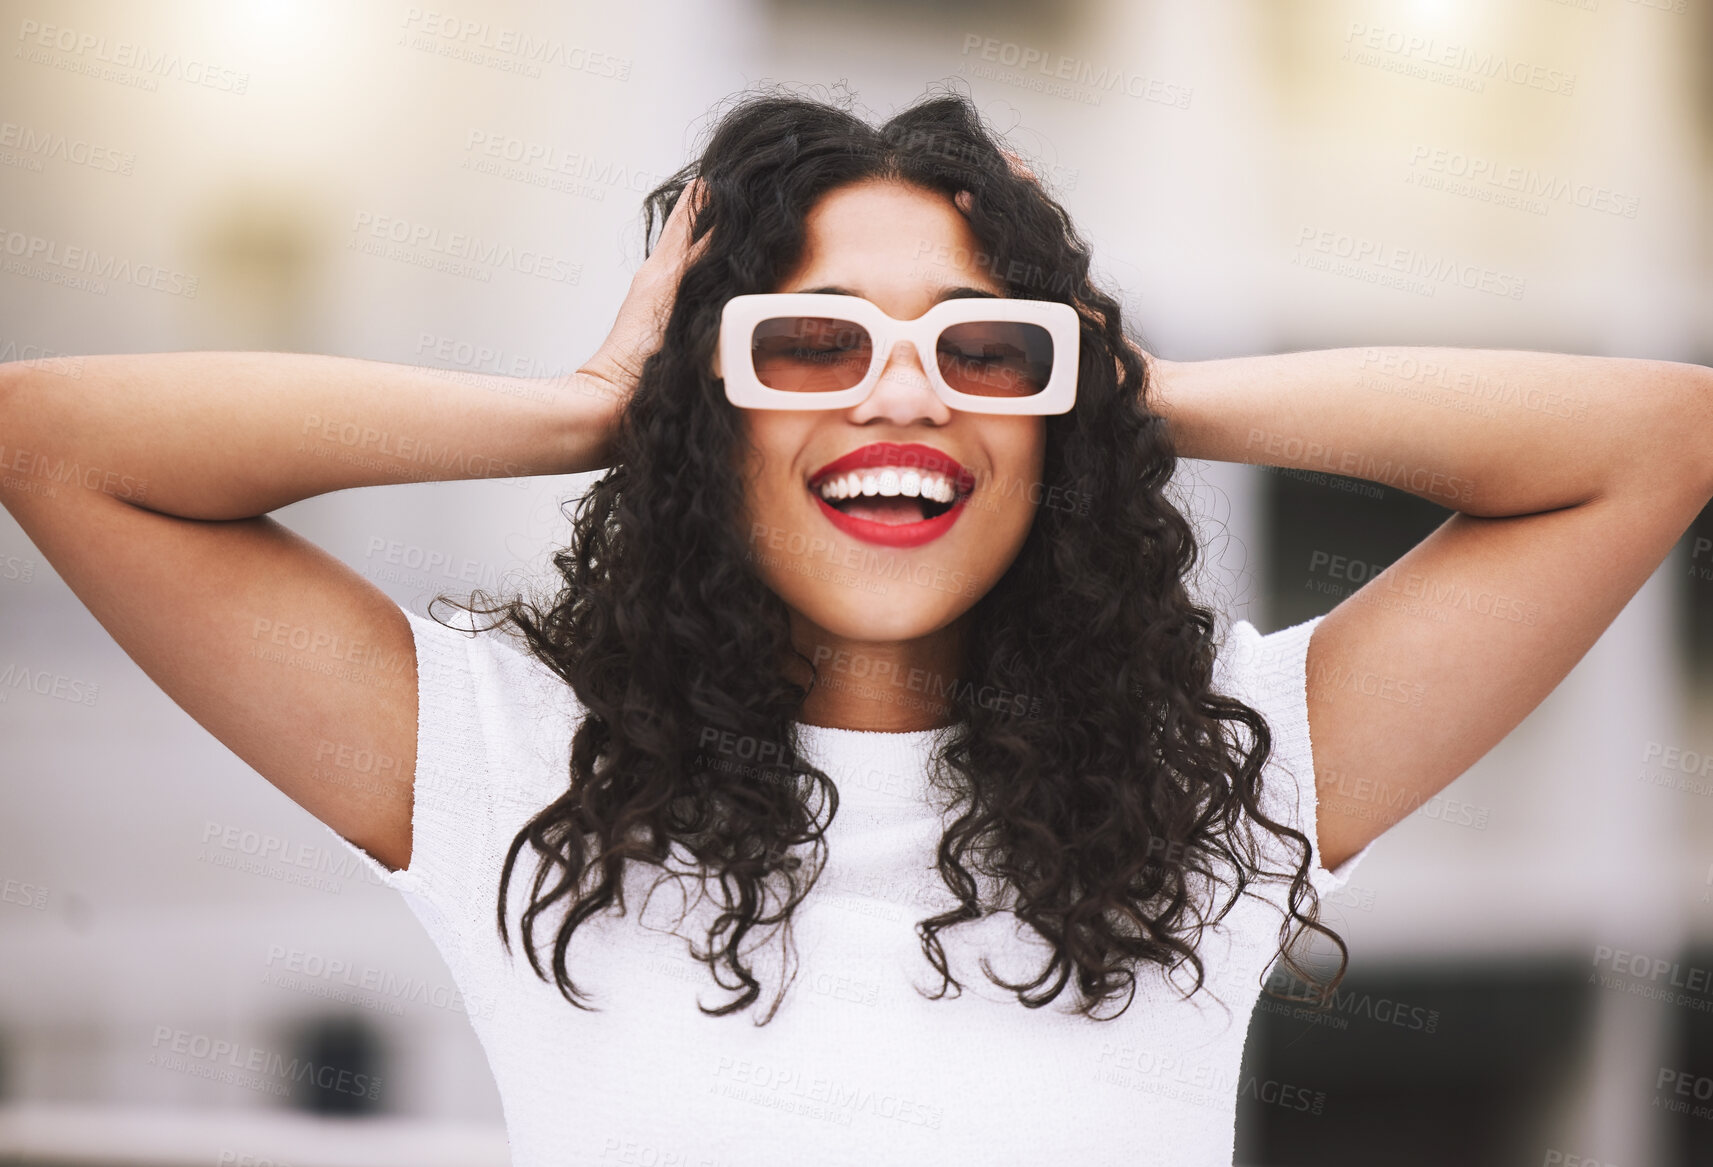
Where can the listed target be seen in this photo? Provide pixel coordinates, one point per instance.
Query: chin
(897, 614)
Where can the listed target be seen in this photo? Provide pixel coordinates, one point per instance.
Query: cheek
(1017, 486)
(1019, 453)
(766, 460)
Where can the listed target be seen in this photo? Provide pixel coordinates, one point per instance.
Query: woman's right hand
(635, 336)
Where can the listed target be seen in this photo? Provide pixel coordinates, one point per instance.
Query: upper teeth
(889, 482)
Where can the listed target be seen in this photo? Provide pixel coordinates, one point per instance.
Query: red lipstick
(904, 456)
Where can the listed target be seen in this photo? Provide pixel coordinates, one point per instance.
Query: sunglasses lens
(810, 354)
(996, 358)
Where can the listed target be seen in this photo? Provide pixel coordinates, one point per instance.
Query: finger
(681, 220)
(656, 281)
(673, 250)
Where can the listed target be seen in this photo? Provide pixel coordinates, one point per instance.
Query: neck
(887, 686)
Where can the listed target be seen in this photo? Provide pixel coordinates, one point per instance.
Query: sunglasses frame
(744, 388)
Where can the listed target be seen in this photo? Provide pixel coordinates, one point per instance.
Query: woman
(873, 708)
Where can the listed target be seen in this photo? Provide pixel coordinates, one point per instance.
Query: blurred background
(1530, 975)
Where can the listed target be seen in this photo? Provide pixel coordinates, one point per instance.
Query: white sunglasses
(813, 350)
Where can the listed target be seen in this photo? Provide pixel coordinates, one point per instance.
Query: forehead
(890, 241)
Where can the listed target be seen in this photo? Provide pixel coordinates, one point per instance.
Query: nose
(903, 395)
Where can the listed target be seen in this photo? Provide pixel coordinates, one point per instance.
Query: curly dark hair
(1102, 813)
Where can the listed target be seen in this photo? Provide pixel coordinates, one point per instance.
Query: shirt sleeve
(1270, 674)
(493, 731)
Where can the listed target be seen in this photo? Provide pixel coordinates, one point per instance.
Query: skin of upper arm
(1418, 674)
(296, 663)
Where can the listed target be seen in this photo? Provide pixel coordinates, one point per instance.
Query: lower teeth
(893, 510)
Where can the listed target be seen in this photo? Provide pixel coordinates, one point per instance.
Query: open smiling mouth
(892, 494)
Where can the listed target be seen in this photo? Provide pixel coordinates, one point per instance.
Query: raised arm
(145, 480)
(233, 435)
(1573, 478)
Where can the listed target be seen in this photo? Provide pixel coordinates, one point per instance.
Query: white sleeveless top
(856, 1067)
